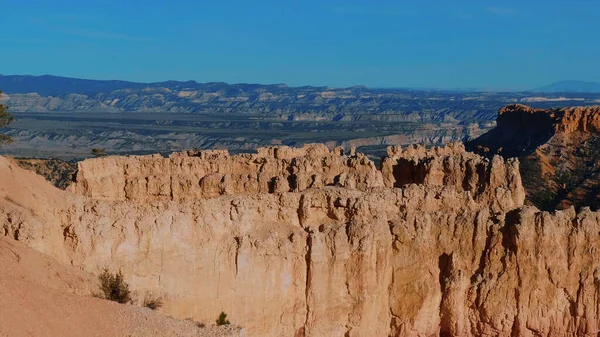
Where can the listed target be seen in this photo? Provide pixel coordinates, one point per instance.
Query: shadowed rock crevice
(445, 270)
(307, 288)
(510, 231)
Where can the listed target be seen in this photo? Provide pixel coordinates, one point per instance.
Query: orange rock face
(190, 176)
(579, 119)
(585, 119)
(312, 242)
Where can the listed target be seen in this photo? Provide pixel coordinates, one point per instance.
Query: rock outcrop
(192, 175)
(496, 183)
(434, 242)
(559, 149)
(521, 129)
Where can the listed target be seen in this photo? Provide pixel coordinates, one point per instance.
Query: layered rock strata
(434, 242)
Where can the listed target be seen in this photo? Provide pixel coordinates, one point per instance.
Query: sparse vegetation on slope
(558, 150)
(539, 193)
(42, 297)
(575, 180)
(113, 287)
(98, 152)
(59, 172)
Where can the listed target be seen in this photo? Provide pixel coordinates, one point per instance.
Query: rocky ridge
(52, 93)
(194, 175)
(433, 242)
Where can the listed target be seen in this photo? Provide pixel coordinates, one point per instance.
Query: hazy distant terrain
(570, 86)
(63, 117)
(70, 135)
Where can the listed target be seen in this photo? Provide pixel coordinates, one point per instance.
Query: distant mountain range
(48, 85)
(23, 93)
(570, 86)
(53, 93)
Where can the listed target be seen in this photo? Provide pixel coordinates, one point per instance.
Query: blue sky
(445, 44)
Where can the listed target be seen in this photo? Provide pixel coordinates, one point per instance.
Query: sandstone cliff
(311, 242)
(190, 176)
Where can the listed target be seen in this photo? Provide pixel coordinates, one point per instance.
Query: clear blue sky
(446, 44)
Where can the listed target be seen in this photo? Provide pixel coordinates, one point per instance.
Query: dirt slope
(40, 297)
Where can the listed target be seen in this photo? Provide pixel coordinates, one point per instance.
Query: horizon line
(417, 88)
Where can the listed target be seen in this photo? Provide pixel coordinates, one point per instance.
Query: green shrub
(98, 152)
(113, 287)
(153, 303)
(222, 320)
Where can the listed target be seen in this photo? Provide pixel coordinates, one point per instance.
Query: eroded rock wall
(521, 129)
(495, 182)
(189, 176)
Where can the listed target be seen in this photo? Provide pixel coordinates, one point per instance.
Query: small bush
(222, 320)
(153, 303)
(113, 287)
(98, 152)
(197, 324)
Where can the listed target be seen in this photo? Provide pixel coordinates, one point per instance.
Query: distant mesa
(570, 86)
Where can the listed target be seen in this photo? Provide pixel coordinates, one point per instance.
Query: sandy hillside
(40, 297)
